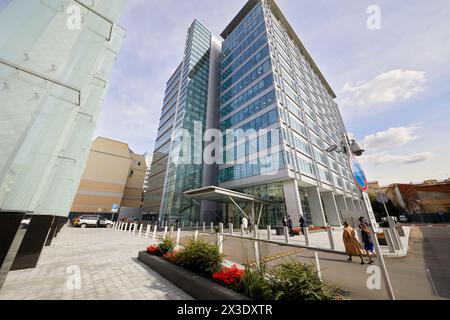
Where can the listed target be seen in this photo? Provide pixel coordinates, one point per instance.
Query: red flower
(230, 277)
(153, 250)
(171, 257)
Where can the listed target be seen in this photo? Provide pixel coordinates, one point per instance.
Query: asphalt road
(435, 251)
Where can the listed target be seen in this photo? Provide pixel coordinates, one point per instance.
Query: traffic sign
(382, 198)
(115, 208)
(358, 174)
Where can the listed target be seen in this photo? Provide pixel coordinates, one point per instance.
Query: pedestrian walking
(302, 224)
(290, 226)
(285, 224)
(352, 245)
(367, 238)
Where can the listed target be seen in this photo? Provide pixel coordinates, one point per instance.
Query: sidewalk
(320, 240)
(107, 260)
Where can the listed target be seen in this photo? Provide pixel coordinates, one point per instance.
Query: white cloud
(380, 159)
(390, 138)
(389, 87)
(382, 148)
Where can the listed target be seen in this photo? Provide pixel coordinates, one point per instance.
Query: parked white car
(92, 221)
(25, 223)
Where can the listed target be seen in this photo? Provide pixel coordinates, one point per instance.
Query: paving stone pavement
(108, 265)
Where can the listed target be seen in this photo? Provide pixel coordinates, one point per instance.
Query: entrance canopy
(216, 194)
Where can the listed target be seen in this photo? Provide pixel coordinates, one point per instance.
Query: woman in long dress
(352, 245)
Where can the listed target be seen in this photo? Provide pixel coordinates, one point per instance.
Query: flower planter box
(193, 284)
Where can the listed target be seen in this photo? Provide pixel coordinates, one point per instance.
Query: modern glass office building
(177, 163)
(56, 59)
(268, 81)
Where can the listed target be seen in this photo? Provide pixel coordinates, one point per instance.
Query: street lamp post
(349, 150)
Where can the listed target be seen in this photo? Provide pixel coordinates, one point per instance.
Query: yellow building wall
(105, 176)
(132, 195)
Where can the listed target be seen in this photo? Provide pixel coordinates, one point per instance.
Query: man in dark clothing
(302, 224)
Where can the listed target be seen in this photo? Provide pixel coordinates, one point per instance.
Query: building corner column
(315, 202)
(331, 208)
(293, 202)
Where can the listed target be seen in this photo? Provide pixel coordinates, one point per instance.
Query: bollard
(388, 237)
(119, 225)
(212, 227)
(269, 233)
(178, 236)
(147, 232)
(242, 230)
(131, 228)
(165, 233)
(220, 242)
(221, 228)
(196, 235)
(396, 238)
(306, 236)
(331, 238)
(230, 226)
(134, 228)
(196, 226)
(319, 272)
(286, 235)
(204, 226)
(155, 229)
(140, 230)
(257, 257)
(171, 231)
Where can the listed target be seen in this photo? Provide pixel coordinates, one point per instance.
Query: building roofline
(279, 14)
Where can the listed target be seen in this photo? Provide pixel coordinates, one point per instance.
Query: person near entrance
(302, 224)
(245, 224)
(285, 224)
(352, 245)
(290, 226)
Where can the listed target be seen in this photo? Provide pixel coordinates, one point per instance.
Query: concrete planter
(196, 286)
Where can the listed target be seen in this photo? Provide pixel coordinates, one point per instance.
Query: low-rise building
(428, 197)
(114, 175)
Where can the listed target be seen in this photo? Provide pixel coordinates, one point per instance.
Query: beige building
(114, 175)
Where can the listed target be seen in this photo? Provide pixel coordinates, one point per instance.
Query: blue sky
(393, 84)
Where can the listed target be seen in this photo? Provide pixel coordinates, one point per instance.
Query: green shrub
(201, 257)
(297, 281)
(166, 246)
(256, 286)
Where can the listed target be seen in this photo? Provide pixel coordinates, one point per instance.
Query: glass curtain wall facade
(158, 171)
(185, 168)
(268, 81)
